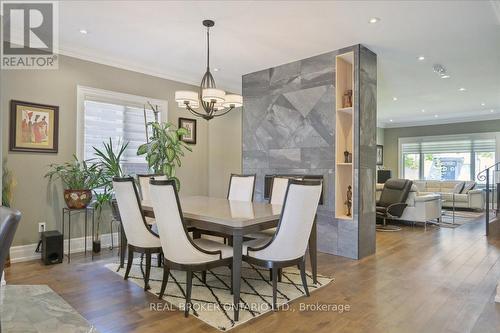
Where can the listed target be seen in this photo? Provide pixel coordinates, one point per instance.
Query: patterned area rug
(212, 302)
(461, 217)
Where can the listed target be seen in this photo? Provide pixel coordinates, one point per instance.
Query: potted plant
(109, 159)
(8, 185)
(164, 150)
(79, 178)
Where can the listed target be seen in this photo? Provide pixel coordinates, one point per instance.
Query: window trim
(431, 138)
(101, 95)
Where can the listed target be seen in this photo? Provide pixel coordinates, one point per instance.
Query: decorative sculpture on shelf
(347, 99)
(346, 156)
(348, 202)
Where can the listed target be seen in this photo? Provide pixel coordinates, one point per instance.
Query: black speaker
(383, 176)
(52, 247)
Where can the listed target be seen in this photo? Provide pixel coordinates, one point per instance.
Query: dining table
(233, 219)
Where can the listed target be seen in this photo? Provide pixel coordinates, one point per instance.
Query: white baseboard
(27, 252)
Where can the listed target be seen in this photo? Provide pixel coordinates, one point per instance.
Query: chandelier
(215, 102)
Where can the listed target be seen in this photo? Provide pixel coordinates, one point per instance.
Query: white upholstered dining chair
(180, 251)
(289, 244)
(277, 197)
(140, 237)
(143, 180)
(241, 187)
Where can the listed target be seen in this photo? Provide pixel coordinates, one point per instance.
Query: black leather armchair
(392, 202)
(9, 219)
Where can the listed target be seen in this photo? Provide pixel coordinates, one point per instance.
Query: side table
(89, 210)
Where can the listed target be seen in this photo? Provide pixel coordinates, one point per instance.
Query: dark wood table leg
(313, 252)
(237, 250)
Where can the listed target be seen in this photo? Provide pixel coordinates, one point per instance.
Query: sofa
(465, 192)
(420, 207)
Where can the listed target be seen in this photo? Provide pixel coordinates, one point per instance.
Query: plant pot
(77, 199)
(96, 246)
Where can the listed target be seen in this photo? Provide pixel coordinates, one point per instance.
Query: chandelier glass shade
(214, 102)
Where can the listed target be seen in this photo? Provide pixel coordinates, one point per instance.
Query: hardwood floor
(439, 280)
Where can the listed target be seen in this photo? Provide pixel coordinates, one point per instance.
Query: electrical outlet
(41, 227)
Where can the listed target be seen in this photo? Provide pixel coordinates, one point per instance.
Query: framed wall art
(33, 127)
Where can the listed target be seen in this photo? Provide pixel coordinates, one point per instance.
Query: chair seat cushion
(255, 243)
(210, 245)
(381, 210)
(262, 234)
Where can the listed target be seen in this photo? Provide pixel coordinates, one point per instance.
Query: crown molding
(119, 63)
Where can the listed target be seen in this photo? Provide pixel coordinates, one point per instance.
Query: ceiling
(166, 39)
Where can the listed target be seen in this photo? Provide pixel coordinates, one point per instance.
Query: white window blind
(459, 145)
(122, 123)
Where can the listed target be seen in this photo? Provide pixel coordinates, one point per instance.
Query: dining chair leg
(270, 274)
(275, 286)
(159, 259)
(166, 273)
(231, 269)
(129, 262)
(302, 267)
(148, 271)
(189, 284)
(204, 276)
(280, 272)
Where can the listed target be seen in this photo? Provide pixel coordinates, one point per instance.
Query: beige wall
(33, 197)
(224, 151)
(392, 135)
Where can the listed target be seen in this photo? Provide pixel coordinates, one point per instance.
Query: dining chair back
(241, 187)
(294, 228)
(176, 243)
(137, 231)
(9, 219)
(278, 190)
(144, 184)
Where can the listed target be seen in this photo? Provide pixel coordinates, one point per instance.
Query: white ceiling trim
(438, 121)
(119, 63)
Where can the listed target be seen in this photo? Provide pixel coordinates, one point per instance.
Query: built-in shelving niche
(344, 126)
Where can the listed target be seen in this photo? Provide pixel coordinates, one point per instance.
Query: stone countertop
(38, 309)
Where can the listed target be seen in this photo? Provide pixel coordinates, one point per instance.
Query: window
(104, 114)
(446, 157)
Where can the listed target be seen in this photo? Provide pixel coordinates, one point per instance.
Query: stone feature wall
(289, 128)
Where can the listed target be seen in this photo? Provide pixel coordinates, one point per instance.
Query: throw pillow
(468, 187)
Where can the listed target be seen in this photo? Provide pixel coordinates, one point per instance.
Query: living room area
(446, 165)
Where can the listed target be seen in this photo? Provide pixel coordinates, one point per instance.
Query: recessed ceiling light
(421, 58)
(394, 98)
(216, 69)
(374, 20)
(462, 89)
(423, 110)
(83, 31)
(390, 120)
(483, 104)
(492, 110)
(435, 116)
(445, 76)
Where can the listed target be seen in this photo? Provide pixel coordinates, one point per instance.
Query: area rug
(461, 217)
(212, 301)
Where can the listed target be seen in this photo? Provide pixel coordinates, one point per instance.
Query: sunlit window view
(447, 160)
